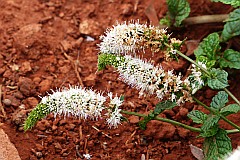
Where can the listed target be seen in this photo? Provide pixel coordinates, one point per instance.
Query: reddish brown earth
(35, 35)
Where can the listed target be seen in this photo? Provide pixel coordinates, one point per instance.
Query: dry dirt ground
(47, 44)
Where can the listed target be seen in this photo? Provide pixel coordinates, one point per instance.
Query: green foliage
(165, 21)
(210, 126)
(230, 109)
(232, 27)
(218, 79)
(230, 59)
(105, 59)
(234, 3)
(35, 115)
(197, 116)
(219, 100)
(160, 107)
(208, 50)
(178, 10)
(218, 146)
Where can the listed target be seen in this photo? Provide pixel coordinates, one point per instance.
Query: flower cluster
(149, 78)
(131, 37)
(196, 78)
(77, 102)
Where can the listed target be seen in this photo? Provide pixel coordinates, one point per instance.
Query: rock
(26, 86)
(159, 130)
(7, 102)
(133, 119)
(12, 100)
(19, 116)
(32, 101)
(183, 133)
(18, 95)
(26, 67)
(127, 9)
(7, 149)
(90, 80)
(45, 85)
(90, 27)
(39, 147)
(183, 112)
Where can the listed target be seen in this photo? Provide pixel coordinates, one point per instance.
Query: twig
(1, 106)
(80, 132)
(77, 151)
(130, 137)
(205, 19)
(74, 66)
(101, 132)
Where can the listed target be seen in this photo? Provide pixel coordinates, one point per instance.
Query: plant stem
(232, 96)
(206, 71)
(194, 129)
(232, 131)
(205, 19)
(214, 112)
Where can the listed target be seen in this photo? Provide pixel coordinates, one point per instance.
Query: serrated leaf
(217, 146)
(161, 106)
(209, 47)
(230, 59)
(218, 79)
(230, 109)
(232, 27)
(234, 3)
(178, 10)
(219, 100)
(197, 116)
(210, 126)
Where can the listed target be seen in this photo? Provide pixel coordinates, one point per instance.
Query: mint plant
(119, 48)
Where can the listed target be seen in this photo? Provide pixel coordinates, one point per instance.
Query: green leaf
(217, 146)
(230, 59)
(178, 10)
(218, 79)
(210, 126)
(209, 47)
(197, 116)
(232, 27)
(234, 3)
(230, 109)
(161, 106)
(219, 100)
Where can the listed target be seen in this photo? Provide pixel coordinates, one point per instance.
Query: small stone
(58, 146)
(39, 147)
(26, 86)
(183, 112)
(26, 67)
(54, 127)
(61, 14)
(133, 119)
(36, 80)
(183, 133)
(7, 102)
(127, 9)
(90, 27)
(32, 101)
(39, 154)
(45, 85)
(160, 130)
(18, 95)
